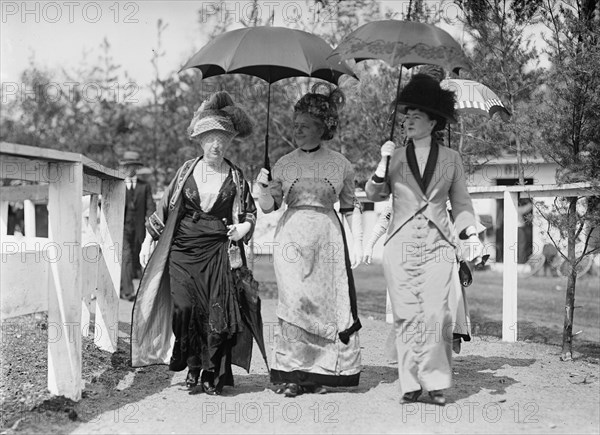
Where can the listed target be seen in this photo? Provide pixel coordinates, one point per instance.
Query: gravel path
(499, 388)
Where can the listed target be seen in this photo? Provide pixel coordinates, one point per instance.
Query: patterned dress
(314, 279)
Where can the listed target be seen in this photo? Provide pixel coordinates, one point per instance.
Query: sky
(61, 34)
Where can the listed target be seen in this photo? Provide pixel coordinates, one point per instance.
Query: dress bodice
(221, 207)
(317, 179)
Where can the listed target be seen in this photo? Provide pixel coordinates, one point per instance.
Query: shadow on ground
(483, 326)
(110, 383)
(474, 373)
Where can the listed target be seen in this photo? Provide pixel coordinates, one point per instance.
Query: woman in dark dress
(187, 291)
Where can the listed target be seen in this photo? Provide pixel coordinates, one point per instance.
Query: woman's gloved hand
(238, 231)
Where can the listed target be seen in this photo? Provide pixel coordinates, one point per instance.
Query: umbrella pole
(449, 143)
(267, 165)
(394, 110)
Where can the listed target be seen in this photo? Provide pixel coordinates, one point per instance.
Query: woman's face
(417, 124)
(307, 131)
(215, 143)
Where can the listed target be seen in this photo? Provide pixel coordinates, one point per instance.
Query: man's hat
(423, 92)
(131, 158)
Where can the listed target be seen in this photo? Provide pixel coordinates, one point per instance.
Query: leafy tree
(569, 104)
(504, 59)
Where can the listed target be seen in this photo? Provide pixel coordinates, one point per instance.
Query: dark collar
(429, 167)
(312, 150)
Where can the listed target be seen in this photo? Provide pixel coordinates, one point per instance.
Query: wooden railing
(58, 274)
(510, 196)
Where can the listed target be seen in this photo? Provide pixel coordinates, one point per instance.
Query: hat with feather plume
(423, 92)
(219, 112)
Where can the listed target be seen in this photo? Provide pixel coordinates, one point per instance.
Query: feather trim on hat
(323, 102)
(221, 104)
(423, 92)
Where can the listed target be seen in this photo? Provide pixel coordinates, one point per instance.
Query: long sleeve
(155, 224)
(378, 191)
(348, 199)
(250, 212)
(462, 206)
(150, 205)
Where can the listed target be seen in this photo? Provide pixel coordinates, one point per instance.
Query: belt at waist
(319, 208)
(196, 215)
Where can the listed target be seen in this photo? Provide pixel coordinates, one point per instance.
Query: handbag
(235, 256)
(464, 274)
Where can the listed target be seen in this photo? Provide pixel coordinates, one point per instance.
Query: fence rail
(59, 273)
(510, 196)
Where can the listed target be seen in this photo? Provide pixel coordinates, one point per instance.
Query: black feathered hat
(423, 92)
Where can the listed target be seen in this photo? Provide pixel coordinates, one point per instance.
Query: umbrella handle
(394, 110)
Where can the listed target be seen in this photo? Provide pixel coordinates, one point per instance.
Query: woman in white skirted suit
(420, 246)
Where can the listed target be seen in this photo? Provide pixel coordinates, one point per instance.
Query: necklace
(312, 150)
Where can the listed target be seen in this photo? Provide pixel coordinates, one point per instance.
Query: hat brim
(200, 133)
(131, 163)
(403, 107)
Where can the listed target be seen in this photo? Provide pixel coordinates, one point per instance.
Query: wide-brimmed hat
(219, 112)
(131, 158)
(214, 122)
(423, 92)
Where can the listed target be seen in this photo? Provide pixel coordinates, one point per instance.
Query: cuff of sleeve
(155, 226)
(377, 179)
(467, 232)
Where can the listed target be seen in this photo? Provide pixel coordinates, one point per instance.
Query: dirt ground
(498, 388)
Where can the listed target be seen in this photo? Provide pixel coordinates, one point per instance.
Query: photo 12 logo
(70, 12)
(288, 12)
(53, 92)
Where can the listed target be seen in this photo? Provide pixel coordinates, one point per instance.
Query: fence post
(64, 293)
(3, 218)
(29, 218)
(509, 278)
(109, 268)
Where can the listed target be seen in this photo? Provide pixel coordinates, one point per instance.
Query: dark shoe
(292, 390)
(314, 389)
(437, 397)
(208, 384)
(411, 396)
(191, 380)
(210, 389)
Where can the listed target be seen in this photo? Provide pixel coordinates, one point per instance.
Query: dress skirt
(418, 266)
(311, 268)
(206, 314)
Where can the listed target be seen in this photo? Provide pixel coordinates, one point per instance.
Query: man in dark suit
(139, 205)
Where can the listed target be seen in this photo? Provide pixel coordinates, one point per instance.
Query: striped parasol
(474, 97)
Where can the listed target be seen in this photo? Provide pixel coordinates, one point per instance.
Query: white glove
(387, 149)
(265, 199)
(238, 231)
(358, 255)
(472, 249)
(146, 250)
(263, 179)
(368, 255)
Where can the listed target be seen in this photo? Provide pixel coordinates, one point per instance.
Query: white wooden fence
(510, 195)
(58, 274)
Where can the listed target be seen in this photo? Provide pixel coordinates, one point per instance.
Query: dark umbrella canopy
(270, 53)
(406, 43)
(250, 309)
